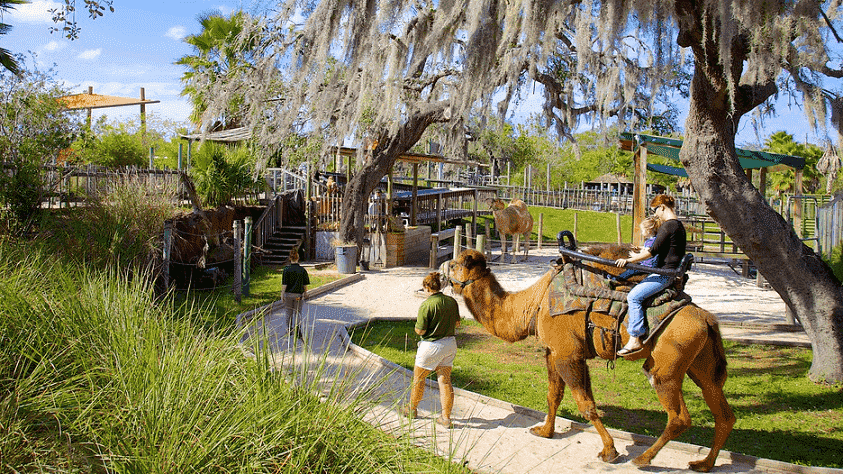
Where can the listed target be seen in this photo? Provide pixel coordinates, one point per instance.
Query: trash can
(346, 258)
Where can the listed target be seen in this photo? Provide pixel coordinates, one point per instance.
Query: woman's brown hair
(431, 282)
(663, 200)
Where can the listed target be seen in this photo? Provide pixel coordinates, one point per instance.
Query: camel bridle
(462, 284)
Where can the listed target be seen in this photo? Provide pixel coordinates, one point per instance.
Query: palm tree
(218, 52)
(7, 60)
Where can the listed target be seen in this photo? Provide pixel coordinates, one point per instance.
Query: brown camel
(513, 220)
(691, 344)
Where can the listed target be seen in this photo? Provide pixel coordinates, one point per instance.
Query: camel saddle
(582, 287)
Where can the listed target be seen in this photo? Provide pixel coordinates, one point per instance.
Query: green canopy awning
(669, 148)
(664, 169)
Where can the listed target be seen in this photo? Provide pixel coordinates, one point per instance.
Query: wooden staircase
(276, 249)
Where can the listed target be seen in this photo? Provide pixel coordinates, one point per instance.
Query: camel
(691, 344)
(513, 220)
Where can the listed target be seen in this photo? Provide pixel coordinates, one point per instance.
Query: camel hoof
(608, 455)
(540, 432)
(641, 461)
(700, 466)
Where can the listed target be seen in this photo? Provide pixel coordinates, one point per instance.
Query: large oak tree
(384, 71)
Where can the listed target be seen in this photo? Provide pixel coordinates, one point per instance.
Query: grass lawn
(219, 305)
(781, 414)
(591, 226)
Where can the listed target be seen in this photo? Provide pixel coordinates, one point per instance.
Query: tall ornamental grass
(96, 375)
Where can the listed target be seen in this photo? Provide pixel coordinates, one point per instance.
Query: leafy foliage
(120, 227)
(784, 181)
(7, 59)
(33, 131)
(218, 50)
(221, 173)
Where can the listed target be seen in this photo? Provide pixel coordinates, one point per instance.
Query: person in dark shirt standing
(294, 281)
(437, 321)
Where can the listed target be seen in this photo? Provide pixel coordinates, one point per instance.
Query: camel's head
(496, 204)
(469, 267)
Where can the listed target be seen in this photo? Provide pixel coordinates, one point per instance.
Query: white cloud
(176, 32)
(36, 12)
(54, 46)
(90, 54)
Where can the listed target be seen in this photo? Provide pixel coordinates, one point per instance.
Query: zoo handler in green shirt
(438, 319)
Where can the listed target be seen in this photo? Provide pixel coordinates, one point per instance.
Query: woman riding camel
(668, 248)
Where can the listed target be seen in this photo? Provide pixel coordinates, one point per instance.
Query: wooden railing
(271, 220)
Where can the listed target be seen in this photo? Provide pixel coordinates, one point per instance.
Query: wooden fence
(830, 226)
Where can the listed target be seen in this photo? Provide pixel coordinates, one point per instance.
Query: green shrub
(836, 262)
(120, 227)
(221, 173)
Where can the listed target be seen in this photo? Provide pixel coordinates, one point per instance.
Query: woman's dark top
(669, 246)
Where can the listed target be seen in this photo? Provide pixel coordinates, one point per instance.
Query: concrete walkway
(491, 436)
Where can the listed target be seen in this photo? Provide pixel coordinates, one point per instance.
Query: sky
(137, 45)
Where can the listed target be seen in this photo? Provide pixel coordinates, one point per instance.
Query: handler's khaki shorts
(438, 353)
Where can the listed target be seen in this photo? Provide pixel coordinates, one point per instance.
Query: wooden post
(481, 244)
(540, 233)
(474, 212)
(548, 176)
(468, 236)
(247, 255)
(762, 182)
(639, 193)
(457, 242)
(189, 153)
(168, 243)
(180, 157)
(618, 226)
(438, 212)
(151, 157)
(143, 113)
(308, 211)
(576, 218)
(488, 248)
(414, 200)
(238, 262)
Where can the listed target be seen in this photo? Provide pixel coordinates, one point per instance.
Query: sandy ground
(492, 435)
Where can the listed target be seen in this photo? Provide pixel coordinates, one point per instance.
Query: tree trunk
(389, 148)
(799, 275)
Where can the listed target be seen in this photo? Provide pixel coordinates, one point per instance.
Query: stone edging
(566, 423)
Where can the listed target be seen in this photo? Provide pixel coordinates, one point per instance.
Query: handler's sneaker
(631, 346)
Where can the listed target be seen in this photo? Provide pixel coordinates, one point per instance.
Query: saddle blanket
(581, 287)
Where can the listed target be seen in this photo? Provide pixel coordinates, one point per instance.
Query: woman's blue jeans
(648, 287)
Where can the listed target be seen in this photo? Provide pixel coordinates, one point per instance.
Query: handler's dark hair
(663, 200)
(432, 282)
(294, 255)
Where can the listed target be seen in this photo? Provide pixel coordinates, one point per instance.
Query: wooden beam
(639, 193)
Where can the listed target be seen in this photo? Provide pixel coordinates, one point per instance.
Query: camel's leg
(555, 391)
(503, 247)
(666, 368)
(678, 418)
(576, 375)
(702, 372)
(526, 246)
(516, 244)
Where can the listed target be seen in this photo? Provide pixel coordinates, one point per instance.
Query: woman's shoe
(633, 345)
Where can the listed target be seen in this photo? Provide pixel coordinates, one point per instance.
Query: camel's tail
(719, 352)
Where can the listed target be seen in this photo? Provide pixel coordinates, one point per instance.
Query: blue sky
(137, 45)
